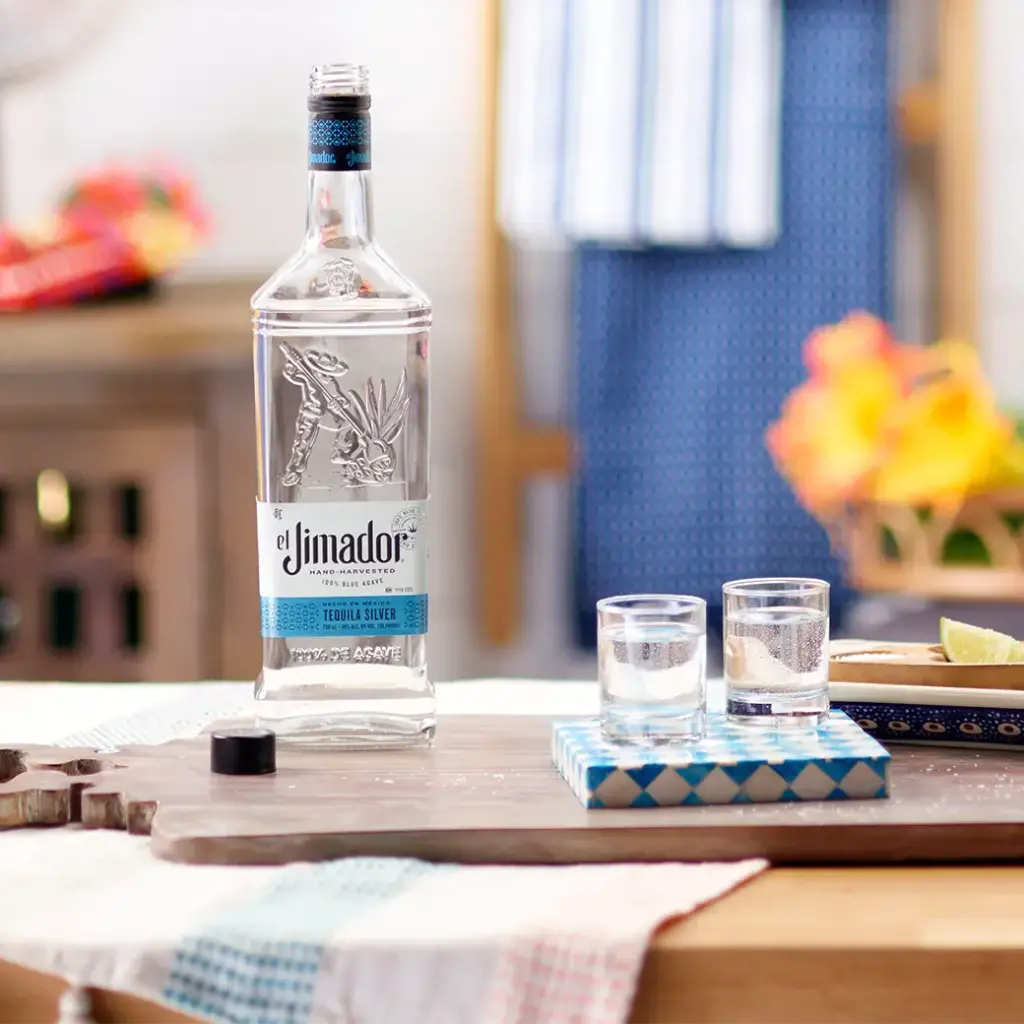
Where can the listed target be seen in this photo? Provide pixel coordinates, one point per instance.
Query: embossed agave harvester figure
(366, 425)
(309, 370)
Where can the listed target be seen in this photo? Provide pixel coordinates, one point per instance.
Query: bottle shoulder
(340, 278)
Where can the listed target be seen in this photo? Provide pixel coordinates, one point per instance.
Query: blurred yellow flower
(881, 421)
(947, 443)
(160, 238)
(827, 441)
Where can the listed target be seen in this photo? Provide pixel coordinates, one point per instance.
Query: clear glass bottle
(342, 422)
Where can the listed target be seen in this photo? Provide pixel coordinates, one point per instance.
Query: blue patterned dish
(934, 714)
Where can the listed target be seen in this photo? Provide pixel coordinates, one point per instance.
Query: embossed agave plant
(365, 451)
(365, 426)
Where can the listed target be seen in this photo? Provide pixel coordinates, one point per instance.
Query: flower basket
(975, 552)
(904, 455)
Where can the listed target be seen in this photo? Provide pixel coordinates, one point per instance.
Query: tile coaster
(733, 764)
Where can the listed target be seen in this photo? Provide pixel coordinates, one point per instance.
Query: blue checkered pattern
(257, 962)
(733, 764)
(684, 358)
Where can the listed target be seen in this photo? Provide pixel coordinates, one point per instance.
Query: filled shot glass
(652, 652)
(775, 655)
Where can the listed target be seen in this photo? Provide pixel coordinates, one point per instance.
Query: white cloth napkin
(366, 941)
(637, 122)
(530, 127)
(751, 83)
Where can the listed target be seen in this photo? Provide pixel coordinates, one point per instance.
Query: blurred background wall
(219, 86)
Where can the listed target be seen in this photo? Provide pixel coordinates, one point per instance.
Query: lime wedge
(973, 645)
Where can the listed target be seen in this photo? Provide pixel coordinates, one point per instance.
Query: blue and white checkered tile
(257, 961)
(731, 765)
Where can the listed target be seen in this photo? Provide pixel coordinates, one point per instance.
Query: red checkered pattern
(566, 979)
(588, 975)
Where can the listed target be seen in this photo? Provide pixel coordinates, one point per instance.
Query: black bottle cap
(243, 752)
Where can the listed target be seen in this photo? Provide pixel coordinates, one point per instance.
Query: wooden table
(202, 324)
(794, 945)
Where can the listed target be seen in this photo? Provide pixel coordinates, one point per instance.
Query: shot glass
(652, 651)
(776, 652)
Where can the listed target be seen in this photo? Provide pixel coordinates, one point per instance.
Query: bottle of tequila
(342, 422)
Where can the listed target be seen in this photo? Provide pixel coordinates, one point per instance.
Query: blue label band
(339, 143)
(400, 615)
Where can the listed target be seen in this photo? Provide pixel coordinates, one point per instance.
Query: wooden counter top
(893, 908)
(193, 325)
(794, 946)
(813, 945)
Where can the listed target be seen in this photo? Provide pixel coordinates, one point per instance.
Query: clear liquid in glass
(776, 665)
(652, 681)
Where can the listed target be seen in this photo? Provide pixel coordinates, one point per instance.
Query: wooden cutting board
(488, 792)
(915, 664)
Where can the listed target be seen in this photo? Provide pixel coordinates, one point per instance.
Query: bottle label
(339, 142)
(354, 568)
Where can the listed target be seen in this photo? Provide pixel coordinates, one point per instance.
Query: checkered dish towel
(380, 941)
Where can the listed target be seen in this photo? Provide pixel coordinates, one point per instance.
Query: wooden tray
(905, 664)
(488, 793)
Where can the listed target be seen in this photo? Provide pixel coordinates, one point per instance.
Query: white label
(356, 568)
(337, 549)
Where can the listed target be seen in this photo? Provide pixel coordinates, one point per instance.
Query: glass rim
(776, 586)
(624, 602)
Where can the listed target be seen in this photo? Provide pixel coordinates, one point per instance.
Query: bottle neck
(339, 211)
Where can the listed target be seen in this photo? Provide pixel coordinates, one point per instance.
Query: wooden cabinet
(127, 486)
